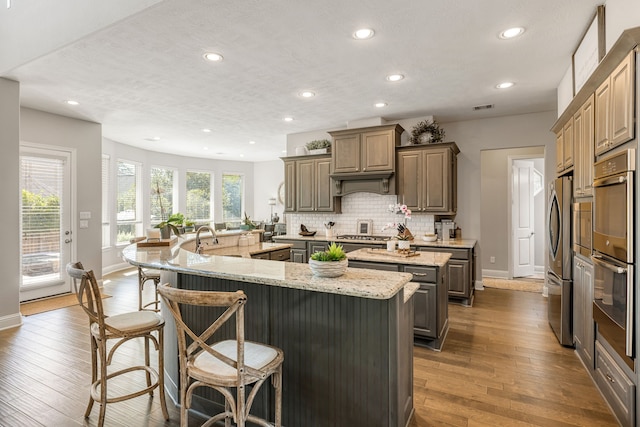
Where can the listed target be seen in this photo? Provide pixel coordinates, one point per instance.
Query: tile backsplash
(360, 206)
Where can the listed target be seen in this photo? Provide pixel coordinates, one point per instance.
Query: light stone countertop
(453, 243)
(246, 251)
(362, 283)
(436, 259)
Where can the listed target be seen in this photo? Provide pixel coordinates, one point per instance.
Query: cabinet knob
(364, 169)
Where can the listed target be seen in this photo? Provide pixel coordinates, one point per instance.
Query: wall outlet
(492, 260)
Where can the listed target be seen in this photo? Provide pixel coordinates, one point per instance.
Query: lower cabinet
(583, 325)
(460, 273)
(298, 252)
(616, 387)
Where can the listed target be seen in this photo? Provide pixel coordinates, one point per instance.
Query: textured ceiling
(144, 76)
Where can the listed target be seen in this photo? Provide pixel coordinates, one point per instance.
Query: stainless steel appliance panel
(560, 256)
(613, 302)
(613, 211)
(582, 228)
(560, 309)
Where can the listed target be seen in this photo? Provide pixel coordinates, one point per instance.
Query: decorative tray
(403, 254)
(157, 242)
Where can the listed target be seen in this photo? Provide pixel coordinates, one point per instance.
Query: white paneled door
(523, 218)
(45, 217)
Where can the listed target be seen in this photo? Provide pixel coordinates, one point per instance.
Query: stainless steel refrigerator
(559, 274)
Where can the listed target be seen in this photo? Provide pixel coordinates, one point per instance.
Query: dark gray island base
(347, 341)
(347, 359)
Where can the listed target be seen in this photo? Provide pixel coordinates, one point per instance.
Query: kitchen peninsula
(347, 341)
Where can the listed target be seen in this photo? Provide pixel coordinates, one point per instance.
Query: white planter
(328, 268)
(404, 244)
(318, 151)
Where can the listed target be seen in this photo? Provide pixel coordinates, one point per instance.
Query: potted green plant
(319, 146)
(247, 224)
(329, 263)
(173, 223)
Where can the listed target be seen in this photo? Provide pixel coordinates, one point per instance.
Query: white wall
(85, 138)
(619, 16)
(267, 176)
(9, 192)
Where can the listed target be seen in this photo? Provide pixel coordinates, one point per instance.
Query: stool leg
(163, 402)
(141, 280)
(156, 282)
(94, 373)
(276, 380)
(147, 362)
(103, 382)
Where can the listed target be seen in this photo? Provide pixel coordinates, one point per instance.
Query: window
(232, 197)
(128, 197)
(161, 197)
(199, 196)
(106, 221)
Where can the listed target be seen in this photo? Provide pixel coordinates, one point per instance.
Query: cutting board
(394, 253)
(156, 243)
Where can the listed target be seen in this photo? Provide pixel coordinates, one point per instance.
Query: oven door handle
(612, 180)
(616, 269)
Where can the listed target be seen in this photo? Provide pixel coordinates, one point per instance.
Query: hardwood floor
(501, 366)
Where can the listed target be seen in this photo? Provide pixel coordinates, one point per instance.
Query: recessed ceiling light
(72, 102)
(395, 77)
(363, 34)
(511, 33)
(205, 130)
(505, 85)
(307, 94)
(288, 119)
(241, 155)
(213, 57)
(284, 151)
(252, 142)
(205, 148)
(380, 104)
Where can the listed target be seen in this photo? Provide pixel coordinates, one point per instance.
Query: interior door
(522, 220)
(45, 218)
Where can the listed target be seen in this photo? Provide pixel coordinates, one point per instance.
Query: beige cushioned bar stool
(225, 365)
(145, 275)
(122, 328)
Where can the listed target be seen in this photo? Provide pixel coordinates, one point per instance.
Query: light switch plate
(85, 215)
(84, 223)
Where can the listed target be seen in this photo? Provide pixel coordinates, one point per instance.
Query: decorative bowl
(328, 268)
(430, 237)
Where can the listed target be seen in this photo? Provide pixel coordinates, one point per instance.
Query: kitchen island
(347, 341)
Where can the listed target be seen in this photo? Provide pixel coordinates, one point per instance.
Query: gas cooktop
(361, 237)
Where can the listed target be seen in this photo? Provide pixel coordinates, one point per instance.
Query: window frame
(139, 201)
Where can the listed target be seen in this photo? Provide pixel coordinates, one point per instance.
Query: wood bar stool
(122, 328)
(224, 365)
(145, 275)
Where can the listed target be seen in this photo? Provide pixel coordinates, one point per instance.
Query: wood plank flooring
(501, 366)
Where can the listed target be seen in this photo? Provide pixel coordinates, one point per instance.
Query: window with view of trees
(199, 196)
(232, 197)
(129, 220)
(161, 197)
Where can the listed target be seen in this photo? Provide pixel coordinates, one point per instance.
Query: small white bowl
(430, 237)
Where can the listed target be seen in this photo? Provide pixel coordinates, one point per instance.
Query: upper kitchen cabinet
(564, 147)
(614, 112)
(364, 159)
(583, 141)
(289, 185)
(427, 177)
(365, 150)
(313, 190)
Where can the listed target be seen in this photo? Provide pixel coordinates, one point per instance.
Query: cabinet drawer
(422, 274)
(374, 265)
(280, 255)
(297, 244)
(616, 387)
(455, 253)
(264, 255)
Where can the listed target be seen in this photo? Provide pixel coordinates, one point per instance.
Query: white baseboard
(10, 321)
(500, 274)
(538, 269)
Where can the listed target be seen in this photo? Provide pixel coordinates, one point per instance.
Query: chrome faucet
(199, 244)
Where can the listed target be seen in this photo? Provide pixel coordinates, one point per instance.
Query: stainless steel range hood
(380, 183)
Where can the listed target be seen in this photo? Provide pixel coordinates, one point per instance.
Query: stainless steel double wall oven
(613, 252)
